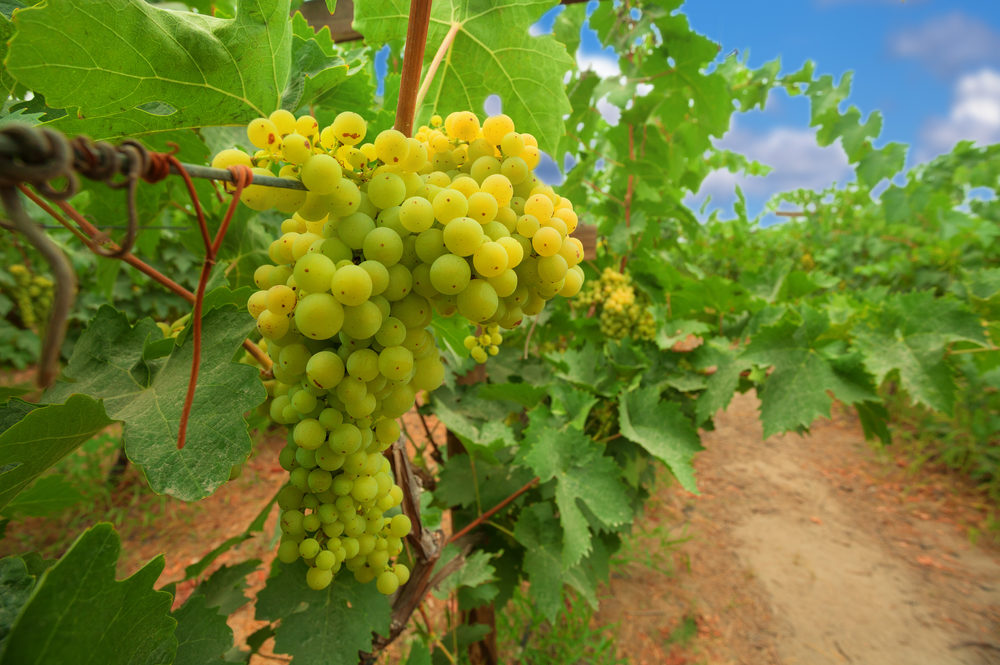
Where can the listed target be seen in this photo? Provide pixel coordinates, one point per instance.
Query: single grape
(463, 236)
(321, 174)
(313, 272)
(351, 285)
(450, 274)
(319, 316)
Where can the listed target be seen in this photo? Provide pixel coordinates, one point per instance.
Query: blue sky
(932, 67)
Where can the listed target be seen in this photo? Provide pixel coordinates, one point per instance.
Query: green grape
(362, 321)
(418, 341)
(478, 301)
(321, 174)
(482, 207)
(263, 134)
(539, 206)
(319, 480)
(325, 560)
(414, 311)
(402, 573)
(313, 272)
(398, 401)
(499, 187)
(450, 274)
(391, 333)
(256, 303)
(463, 236)
(378, 274)
(351, 389)
(364, 490)
(386, 431)
(391, 146)
(515, 251)
(504, 284)
(573, 283)
(449, 204)
(546, 241)
(430, 245)
(351, 285)
(552, 268)
(383, 245)
(349, 128)
(422, 281)
(291, 522)
(386, 190)
(319, 316)
(259, 197)
(288, 551)
(353, 229)
(283, 120)
(416, 214)
(400, 526)
(478, 354)
(304, 402)
(296, 148)
(318, 578)
(345, 198)
(515, 169)
(325, 369)
(231, 157)
(342, 485)
(400, 283)
(490, 259)
(271, 325)
(428, 373)
(309, 434)
(395, 363)
(528, 225)
(363, 364)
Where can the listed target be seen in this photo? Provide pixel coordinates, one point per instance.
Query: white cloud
(974, 115)
(602, 65)
(795, 158)
(948, 44)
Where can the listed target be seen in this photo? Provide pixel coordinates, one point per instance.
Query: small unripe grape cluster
(389, 231)
(485, 344)
(623, 312)
(31, 293)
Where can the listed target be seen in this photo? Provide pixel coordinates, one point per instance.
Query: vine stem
(242, 176)
(629, 189)
(92, 233)
(492, 511)
(413, 62)
(436, 62)
(65, 280)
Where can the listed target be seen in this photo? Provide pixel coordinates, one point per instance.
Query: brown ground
(799, 551)
(810, 551)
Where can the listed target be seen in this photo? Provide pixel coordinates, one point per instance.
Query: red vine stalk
(492, 511)
(413, 62)
(242, 176)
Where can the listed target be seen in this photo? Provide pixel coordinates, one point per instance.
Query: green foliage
(485, 59)
(111, 361)
(78, 612)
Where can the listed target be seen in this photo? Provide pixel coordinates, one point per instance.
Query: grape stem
(413, 62)
(436, 62)
(89, 236)
(492, 511)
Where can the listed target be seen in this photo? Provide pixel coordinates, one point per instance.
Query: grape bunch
(623, 312)
(486, 344)
(452, 220)
(31, 293)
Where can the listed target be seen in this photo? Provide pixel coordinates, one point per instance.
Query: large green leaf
(203, 636)
(582, 473)
(107, 362)
(16, 584)
(322, 76)
(78, 613)
(492, 53)
(49, 495)
(662, 429)
(542, 558)
(127, 67)
(326, 627)
(910, 334)
(42, 437)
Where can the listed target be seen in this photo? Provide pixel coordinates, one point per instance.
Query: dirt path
(807, 551)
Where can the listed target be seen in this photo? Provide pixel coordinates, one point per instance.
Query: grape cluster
(485, 344)
(388, 231)
(623, 312)
(32, 294)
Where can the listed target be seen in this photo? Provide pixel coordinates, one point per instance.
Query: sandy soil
(808, 551)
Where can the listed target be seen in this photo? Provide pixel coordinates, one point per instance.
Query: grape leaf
(224, 588)
(47, 496)
(127, 67)
(326, 627)
(203, 636)
(542, 559)
(107, 362)
(492, 53)
(662, 429)
(910, 333)
(320, 74)
(474, 571)
(882, 163)
(42, 437)
(16, 583)
(78, 613)
(582, 473)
